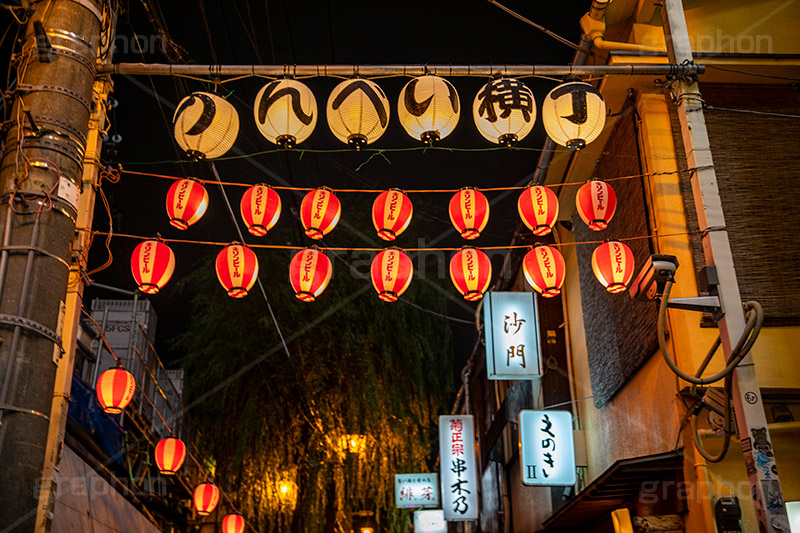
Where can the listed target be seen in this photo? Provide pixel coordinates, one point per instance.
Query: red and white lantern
(260, 208)
(613, 264)
(187, 201)
(152, 265)
(320, 212)
(233, 523)
(538, 208)
(469, 212)
(170, 454)
(206, 498)
(237, 269)
(115, 388)
(596, 203)
(391, 271)
(391, 213)
(310, 272)
(471, 272)
(544, 269)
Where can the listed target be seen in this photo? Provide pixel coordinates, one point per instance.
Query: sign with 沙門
(547, 448)
(431, 521)
(459, 475)
(416, 490)
(511, 326)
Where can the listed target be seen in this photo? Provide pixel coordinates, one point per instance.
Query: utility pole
(41, 178)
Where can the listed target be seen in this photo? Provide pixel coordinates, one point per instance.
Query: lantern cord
(434, 313)
(102, 336)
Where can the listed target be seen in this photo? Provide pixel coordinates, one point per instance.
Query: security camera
(652, 279)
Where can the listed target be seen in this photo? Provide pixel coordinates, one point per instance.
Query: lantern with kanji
(574, 114)
(285, 112)
(358, 112)
(504, 111)
(320, 212)
(428, 108)
(471, 272)
(391, 273)
(233, 523)
(538, 208)
(310, 272)
(260, 208)
(152, 265)
(170, 454)
(206, 498)
(205, 125)
(544, 269)
(187, 201)
(237, 269)
(596, 203)
(391, 213)
(613, 265)
(469, 212)
(115, 388)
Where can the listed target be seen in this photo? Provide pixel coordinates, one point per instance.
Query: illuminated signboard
(459, 475)
(547, 448)
(416, 490)
(511, 327)
(430, 522)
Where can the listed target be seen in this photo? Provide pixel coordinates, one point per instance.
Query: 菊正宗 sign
(547, 448)
(511, 326)
(416, 490)
(457, 459)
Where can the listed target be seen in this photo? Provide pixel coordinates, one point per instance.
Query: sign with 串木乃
(459, 475)
(416, 490)
(547, 448)
(431, 521)
(511, 326)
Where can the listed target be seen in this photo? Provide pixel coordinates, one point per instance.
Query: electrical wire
(757, 74)
(541, 28)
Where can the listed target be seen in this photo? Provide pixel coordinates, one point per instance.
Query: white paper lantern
(574, 114)
(285, 112)
(428, 108)
(504, 111)
(358, 112)
(205, 125)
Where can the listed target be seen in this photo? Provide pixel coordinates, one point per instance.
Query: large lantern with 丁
(613, 265)
(237, 269)
(187, 201)
(469, 212)
(391, 272)
(471, 272)
(574, 114)
(538, 208)
(310, 272)
(391, 213)
(115, 388)
(233, 523)
(152, 265)
(544, 269)
(358, 112)
(320, 212)
(596, 203)
(285, 112)
(504, 111)
(205, 125)
(206, 498)
(260, 208)
(428, 108)
(170, 454)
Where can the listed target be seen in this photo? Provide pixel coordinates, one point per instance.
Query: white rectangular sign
(547, 448)
(430, 522)
(511, 327)
(459, 470)
(416, 490)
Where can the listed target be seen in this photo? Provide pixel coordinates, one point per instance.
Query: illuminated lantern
(538, 209)
(469, 212)
(391, 213)
(152, 265)
(574, 114)
(285, 112)
(358, 112)
(320, 212)
(613, 265)
(237, 269)
(260, 208)
(206, 498)
(310, 272)
(170, 454)
(596, 203)
(187, 201)
(391, 273)
(544, 269)
(205, 125)
(428, 108)
(233, 523)
(471, 272)
(115, 388)
(504, 111)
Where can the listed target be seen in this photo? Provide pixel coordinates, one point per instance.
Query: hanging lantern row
(233, 523)
(205, 498)
(428, 108)
(115, 388)
(170, 455)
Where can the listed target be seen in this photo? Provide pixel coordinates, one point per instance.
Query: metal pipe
(775, 427)
(99, 350)
(602, 44)
(4, 254)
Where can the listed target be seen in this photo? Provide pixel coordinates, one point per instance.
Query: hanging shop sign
(430, 521)
(511, 324)
(547, 448)
(459, 475)
(416, 490)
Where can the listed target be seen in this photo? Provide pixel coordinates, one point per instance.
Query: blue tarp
(103, 428)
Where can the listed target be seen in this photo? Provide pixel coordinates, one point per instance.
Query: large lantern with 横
(391, 272)
(469, 212)
(596, 203)
(320, 211)
(471, 272)
(613, 265)
(428, 108)
(391, 213)
(538, 209)
(206, 498)
(187, 201)
(205, 125)
(237, 269)
(152, 265)
(260, 208)
(115, 388)
(358, 112)
(544, 269)
(233, 523)
(310, 272)
(285, 112)
(574, 114)
(504, 111)
(170, 454)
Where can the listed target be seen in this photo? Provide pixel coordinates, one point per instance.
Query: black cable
(757, 74)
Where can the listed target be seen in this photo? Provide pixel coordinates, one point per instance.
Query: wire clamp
(36, 327)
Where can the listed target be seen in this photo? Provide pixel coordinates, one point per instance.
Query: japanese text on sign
(459, 479)
(547, 448)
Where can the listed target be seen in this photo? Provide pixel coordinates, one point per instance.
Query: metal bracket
(34, 326)
(5, 407)
(704, 304)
